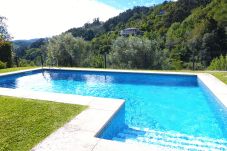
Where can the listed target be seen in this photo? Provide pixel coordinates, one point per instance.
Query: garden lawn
(25, 122)
(15, 69)
(221, 75)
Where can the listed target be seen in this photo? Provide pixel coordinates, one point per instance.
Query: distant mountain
(24, 43)
(157, 18)
(21, 45)
(97, 28)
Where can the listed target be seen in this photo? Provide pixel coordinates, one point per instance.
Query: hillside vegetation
(187, 34)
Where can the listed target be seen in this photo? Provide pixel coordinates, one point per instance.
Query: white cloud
(43, 18)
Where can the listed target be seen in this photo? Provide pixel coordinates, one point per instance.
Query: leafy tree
(134, 52)
(4, 35)
(119, 21)
(219, 63)
(39, 43)
(34, 56)
(89, 30)
(5, 46)
(30, 50)
(6, 53)
(2, 65)
(220, 14)
(66, 50)
(209, 44)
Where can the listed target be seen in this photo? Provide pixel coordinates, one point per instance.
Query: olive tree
(66, 50)
(133, 52)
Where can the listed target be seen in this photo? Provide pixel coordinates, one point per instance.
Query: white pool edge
(79, 134)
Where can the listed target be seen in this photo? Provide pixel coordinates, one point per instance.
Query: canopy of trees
(5, 45)
(65, 50)
(219, 63)
(135, 52)
(5, 53)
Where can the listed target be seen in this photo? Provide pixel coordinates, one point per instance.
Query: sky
(125, 4)
(28, 19)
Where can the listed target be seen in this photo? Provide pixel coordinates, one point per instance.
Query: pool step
(170, 140)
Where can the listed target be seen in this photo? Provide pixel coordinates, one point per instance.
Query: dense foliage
(219, 63)
(2, 65)
(65, 50)
(6, 54)
(135, 52)
(30, 52)
(187, 34)
(4, 34)
(88, 31)
(5, 45)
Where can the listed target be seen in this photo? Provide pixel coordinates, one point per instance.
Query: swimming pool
(175, 111)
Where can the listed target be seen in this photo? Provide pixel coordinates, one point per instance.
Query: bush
(6, 53)
(2, 65)
(219, 63)
(25, 63)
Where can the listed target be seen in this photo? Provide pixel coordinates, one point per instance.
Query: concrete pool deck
(79, 134)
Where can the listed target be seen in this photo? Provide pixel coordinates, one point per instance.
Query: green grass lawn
(25, 122)
(15, 69)
(220, 75)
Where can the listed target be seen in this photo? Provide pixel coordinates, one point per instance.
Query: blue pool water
(174, 111)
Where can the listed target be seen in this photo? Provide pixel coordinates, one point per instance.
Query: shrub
(6, 53)
(25, 63)
(2, 65)
(219, 63)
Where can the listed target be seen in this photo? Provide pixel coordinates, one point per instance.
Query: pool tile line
(123, 71)
(79, 134)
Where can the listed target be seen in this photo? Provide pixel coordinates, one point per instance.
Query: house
(131, 31)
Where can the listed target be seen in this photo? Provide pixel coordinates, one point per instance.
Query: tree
(5, 46)
(66, 50)
(221, 14)
(34, 55)
(89, 30)
(6, 53)
(219, 63)
(210, 47)
(4, 35)
(133, 52)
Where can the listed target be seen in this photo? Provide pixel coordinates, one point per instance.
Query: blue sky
(125, 4)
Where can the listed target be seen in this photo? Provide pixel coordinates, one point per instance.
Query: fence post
(41, 60)
(105, 59)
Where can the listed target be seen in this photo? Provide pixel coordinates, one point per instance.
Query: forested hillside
(29, 52)
(187, 34)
